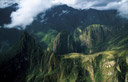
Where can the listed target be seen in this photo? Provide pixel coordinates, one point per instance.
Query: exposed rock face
(95, 37)
(92, 37)
(64, 66)
(56, 19)
(24, 61)
(108, 66)
(63, 43)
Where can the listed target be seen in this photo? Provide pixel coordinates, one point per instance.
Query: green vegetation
(75, 57)
(75, 67)
(107, 65)
(72, 47)
(45, 39)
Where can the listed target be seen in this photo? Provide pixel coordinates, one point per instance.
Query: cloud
(29, 9)
(120, 5)
(123, 9)
(6, 3)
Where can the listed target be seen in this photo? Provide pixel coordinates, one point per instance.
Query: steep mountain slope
(76, 46)
(8, 37)
(95, 37)
(18, 60)
(25, 63)
(106, 66)
(64, 18)
(109, 66)
(119, 41)
(63, 43)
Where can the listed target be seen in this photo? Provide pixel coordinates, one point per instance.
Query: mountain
(67, 45)
(64, 18)
(104, 66)
(63, 43)
(95, 37)
(8, 37)
(28, 64)
(19, 59)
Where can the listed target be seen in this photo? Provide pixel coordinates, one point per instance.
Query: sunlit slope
(109, 65)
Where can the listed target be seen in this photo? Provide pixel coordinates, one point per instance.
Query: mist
(29, 9)
(7, 3)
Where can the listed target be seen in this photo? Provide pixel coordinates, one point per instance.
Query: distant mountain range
(65, 45)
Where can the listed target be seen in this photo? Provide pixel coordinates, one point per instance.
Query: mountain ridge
(67, 45)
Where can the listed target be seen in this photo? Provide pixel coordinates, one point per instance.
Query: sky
(29, 9)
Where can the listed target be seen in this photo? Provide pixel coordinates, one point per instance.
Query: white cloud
(123, 9)
(28, 9)
(6, 3)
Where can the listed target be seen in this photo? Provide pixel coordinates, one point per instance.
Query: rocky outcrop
(63, 43)
(95, 37)
(108, 66)
(92, 62)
